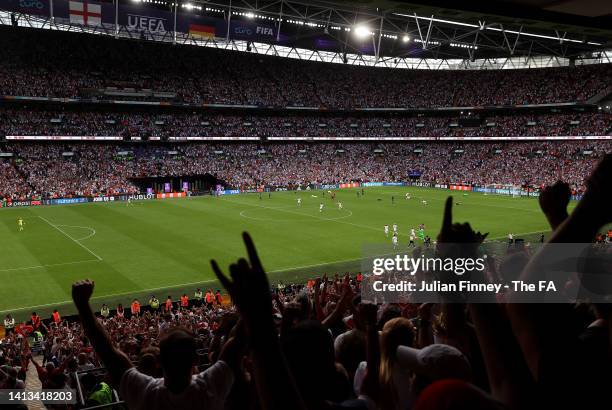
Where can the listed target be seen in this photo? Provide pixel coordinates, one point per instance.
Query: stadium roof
(419, 34)
(436, 29)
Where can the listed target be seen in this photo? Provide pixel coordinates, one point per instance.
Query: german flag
(199, 31)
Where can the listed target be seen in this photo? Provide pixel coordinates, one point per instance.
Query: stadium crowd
(53, 169)
(318, 345)
(184, 126)
(322, 345)
(62, 64)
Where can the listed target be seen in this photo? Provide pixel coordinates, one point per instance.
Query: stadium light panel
(362, 31)
(522, 33)
(405, 39)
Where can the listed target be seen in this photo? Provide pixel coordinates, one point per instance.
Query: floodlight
(405, 39)
(362, 31)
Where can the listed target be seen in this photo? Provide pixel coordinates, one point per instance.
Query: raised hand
(457, 233)
(456, 241)
(598, 195)
(553, 202)
(347, 293)
(250, 292)
(82, 291)
(248, 287)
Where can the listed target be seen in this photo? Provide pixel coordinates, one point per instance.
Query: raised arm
(116, 362)
(40, 371)
(371, 382)
(250, 291)
(341, 306)
(507, 371)
(553, 202)
(317, 300)
(534, 325)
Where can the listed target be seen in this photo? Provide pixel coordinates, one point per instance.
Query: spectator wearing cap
(432, 363)
(454, 394)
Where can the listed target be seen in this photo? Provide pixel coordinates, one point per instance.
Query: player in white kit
(394, 240)
(387, 230)
(299, 201)
(394, 229)
(339, 205)
(321, 207)
(407, 195)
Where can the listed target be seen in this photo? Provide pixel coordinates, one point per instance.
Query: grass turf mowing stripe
(156, 244)
(71, 238)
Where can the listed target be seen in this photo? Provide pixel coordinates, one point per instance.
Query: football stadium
(278, 204)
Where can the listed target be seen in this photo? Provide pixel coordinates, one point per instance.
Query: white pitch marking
(92, 230)
(311, 216)
(206, 281)
(71, 238)
(49, 265)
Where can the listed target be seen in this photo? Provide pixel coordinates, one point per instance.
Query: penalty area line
(71, 238)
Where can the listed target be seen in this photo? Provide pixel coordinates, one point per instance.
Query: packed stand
(190, 125)
(61, 64)
(55, 170)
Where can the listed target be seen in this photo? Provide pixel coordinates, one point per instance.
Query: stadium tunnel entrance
(193, 183)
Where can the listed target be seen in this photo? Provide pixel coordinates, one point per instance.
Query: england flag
(86, 13)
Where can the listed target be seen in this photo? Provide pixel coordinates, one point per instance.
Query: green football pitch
(164, 247)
